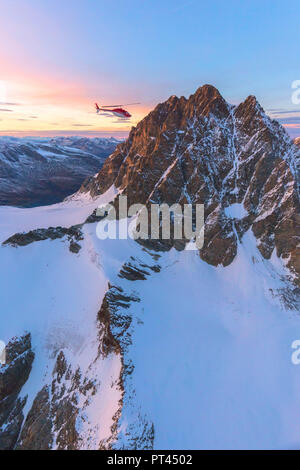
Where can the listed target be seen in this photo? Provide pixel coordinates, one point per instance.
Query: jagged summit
(207, 100)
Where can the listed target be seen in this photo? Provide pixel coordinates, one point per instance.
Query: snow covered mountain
(118, 344)
(44, 171)
(203, 150)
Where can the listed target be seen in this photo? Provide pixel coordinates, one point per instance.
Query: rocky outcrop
(117, 329)
(59, 410)
(52, 417)
(113, 327)
(13, 375)
(202, 150)
(73, 235)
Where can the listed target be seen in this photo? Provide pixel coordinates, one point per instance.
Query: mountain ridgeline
(40, 171)
(204, 150)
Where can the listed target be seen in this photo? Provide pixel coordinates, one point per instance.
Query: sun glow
(49, 106)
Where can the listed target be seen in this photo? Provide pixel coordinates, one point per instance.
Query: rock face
(297, 141)
(202, 150)
(13, 375)
(57, 409)
(73, 235)
(60, 166)
(54, 411)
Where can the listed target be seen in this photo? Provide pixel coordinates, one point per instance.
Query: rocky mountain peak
(208, 100)
(252, 115)
(204, 150)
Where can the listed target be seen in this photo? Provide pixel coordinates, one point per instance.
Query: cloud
(292, 126)
(290, 120)
(128, 121)
(288, 112)
(283, 112)
(6, 103)
(22, 119)
(33, 117)
(5, 110)
(81, 125)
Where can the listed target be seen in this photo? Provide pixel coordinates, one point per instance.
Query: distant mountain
(44, 171)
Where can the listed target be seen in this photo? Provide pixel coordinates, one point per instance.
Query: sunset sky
(58, 57)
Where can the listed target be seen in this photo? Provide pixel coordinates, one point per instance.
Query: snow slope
(210, 347)
(54, 295)
(212, 356)
(73, 210)
(210, 371)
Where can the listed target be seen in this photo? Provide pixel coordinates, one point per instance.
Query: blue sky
(70, 53)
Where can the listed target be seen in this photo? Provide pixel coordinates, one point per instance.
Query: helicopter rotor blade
(115, 105)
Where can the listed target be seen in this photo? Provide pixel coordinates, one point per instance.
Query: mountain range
(39, 171)
(119, 344)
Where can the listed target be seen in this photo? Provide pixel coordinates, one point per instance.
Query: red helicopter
(115, 109)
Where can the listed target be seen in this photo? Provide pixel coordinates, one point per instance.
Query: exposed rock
(132, 273)
(74, 247)
(37, 430)
(113, 326)
(51, 421)
(13, 375)
(73, 234)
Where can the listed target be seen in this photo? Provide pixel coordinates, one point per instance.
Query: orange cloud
(293, 126)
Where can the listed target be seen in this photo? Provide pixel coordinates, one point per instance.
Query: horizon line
(65, 133)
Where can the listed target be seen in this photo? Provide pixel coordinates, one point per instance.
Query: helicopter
(115, 109)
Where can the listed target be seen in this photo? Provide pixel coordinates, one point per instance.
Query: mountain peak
(201, 150)
(250, 105)
(208, 91)
(251, 100)
(208, 100)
